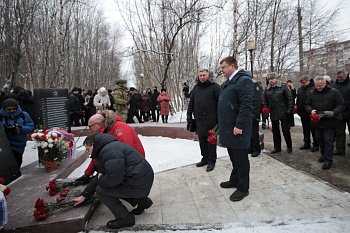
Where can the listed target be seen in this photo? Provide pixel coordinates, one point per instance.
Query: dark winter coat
(135, 101)
(154, 101)
(280, 100)
(329, 99)
(235, 110)
(75, 105)
(344, 88)
(203, 105)
(257, 100)
(17, 137)
(302, 94)
(145, 104)
(126, 174)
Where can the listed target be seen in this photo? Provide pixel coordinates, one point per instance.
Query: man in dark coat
(235, 124)
(327, 103)
(255, 148)
(306, 86)
(342, 84)
(155, 105)
(203, 105)
(122, 174)
(279, 100)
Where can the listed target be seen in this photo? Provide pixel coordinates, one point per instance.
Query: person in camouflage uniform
(121, 99)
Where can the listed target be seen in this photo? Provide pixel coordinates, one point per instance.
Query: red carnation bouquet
(42, 209)
(315, 117)
(213, 134)
(295, 109)
(6, 190)
(57, 185)
(265, 110)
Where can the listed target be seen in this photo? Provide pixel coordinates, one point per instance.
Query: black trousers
(308, 131)
(18, 157)
(208, 150)
(240, 168)
(277, 134)
(255, 141)
(325, 138)
(341, 135)
(115, 206)
(165, 118)
(155, 115)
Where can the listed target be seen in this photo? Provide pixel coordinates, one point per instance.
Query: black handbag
(191, 125)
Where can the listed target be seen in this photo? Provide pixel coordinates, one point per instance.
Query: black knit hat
(9, 102)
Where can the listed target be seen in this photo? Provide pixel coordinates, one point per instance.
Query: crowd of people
(127, 103)
(233, 110)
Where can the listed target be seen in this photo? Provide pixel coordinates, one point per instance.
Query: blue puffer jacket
(18, 138)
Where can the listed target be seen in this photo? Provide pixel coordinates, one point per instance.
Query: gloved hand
(189, 119)
(84, 179)
(13, 129)
(328, 114)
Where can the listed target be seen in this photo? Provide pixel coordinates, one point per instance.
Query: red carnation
(2, 180)
(40, 217)
(36, 213)
(265, 110)
(59, 135)
(295, 109)
(7, 191)
(315, 117)
(43, 138)
(70, 144)
(36, 137)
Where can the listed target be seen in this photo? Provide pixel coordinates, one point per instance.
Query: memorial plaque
(52, 108)
(8, 165)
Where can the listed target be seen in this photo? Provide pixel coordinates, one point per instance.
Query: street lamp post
(251, 48)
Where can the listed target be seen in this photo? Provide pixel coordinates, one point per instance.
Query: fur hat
(9, 102)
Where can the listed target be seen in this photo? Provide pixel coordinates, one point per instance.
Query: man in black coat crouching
(122, 174)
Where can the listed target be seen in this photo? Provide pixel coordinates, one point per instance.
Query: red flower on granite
(3, 188)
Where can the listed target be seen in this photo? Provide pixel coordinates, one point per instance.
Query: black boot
(144, 203)
(305, 147)
(127, 221)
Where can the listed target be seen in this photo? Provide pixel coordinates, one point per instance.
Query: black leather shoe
(144, 204)
(255, 153)
(326, 165)
(127, 221)
(227, 185)
(320, 159)
(274, 151)
(305, 147)
(314, 148)
(289, 150)
(210, 167)
(238, 195)
(201, 164)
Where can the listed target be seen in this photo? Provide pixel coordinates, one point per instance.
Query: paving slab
(191, 197)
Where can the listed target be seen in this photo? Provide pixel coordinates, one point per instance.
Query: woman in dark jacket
(17, 124)
(122, 174)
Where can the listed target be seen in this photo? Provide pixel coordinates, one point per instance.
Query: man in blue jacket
(235, 124)
(17, 125)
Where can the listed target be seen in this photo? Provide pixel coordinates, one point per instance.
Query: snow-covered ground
(166, 153)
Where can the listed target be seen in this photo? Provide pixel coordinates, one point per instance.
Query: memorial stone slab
(52, 108)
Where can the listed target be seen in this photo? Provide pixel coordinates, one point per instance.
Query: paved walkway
(190, 198)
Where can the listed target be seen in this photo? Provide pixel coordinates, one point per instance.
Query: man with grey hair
(342, 84)
(279, 100)
(325, 103)
(306, 86)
